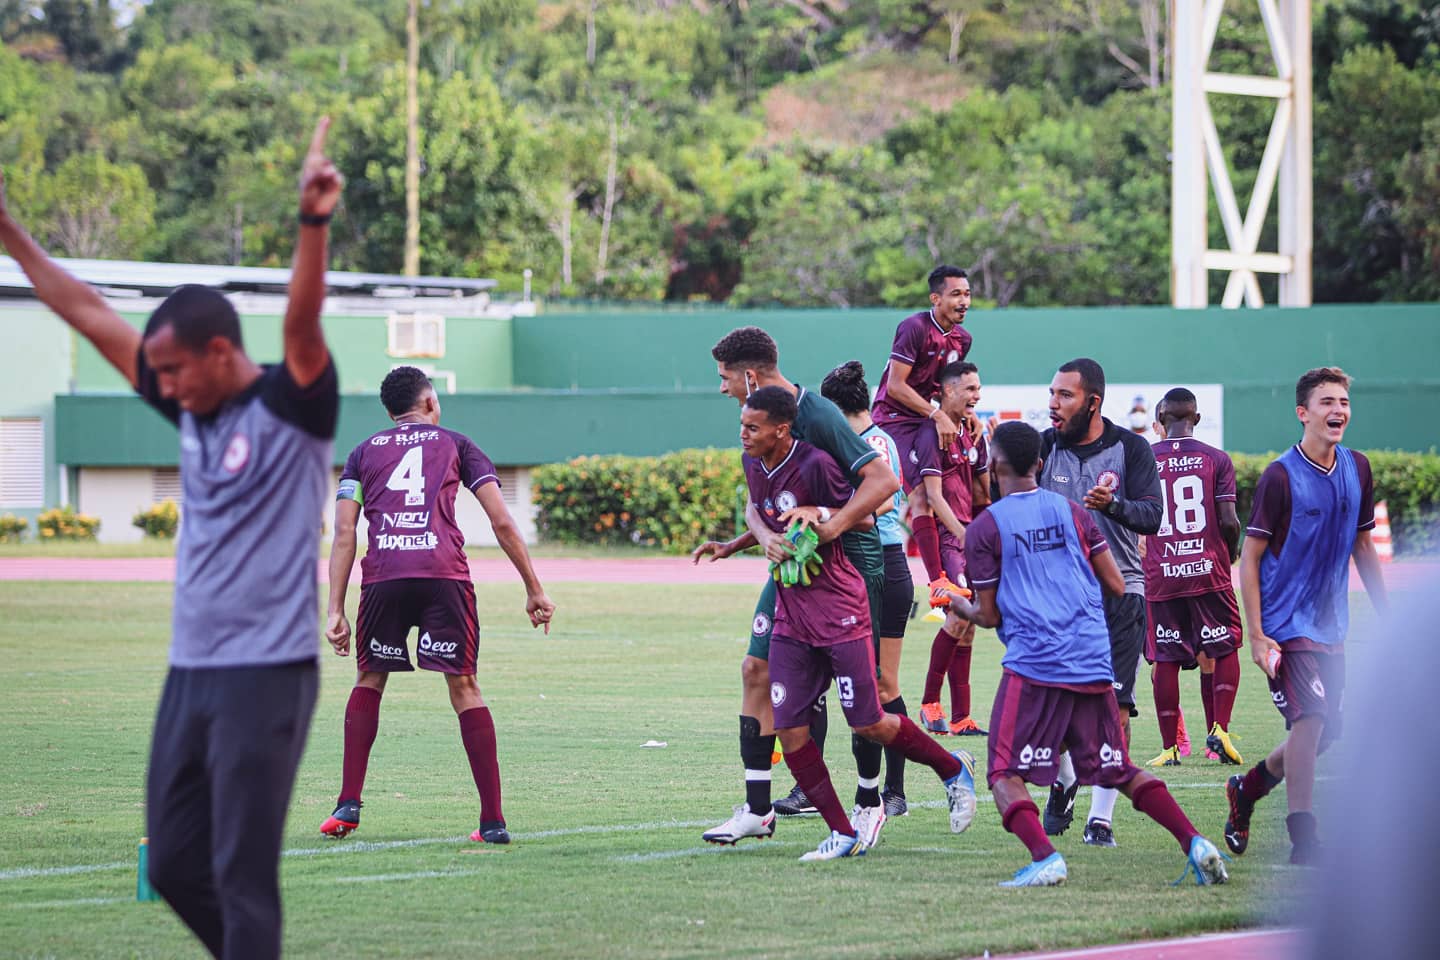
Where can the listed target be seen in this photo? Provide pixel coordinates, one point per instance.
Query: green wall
(36, 366)
(1392, 350)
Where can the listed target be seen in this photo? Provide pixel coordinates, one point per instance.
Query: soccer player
(1110, 471)
(746, 360)
(1034, 559)
(415, 574)
(924, 343)
(1190, 606)
(963, 486)
(255, 454)
(822, 630)
(1314, 510)
(846, 388)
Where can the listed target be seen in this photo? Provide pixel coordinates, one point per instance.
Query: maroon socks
(1022, 818)
(1227, 679)
(808, 768)
(477, 733)
(916, 745)
(927, 541)
(1153, 800)
(362, 721)
(960, 683)
(1167, 701)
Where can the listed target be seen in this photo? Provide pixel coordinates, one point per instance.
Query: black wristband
(315, 219)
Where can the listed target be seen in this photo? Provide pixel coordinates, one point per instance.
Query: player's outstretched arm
(1261, 646)
(76, 302)
(306, 355)
(981, 611)
(1367, 564)
(342, 560)
(538, 606)
(717, 550)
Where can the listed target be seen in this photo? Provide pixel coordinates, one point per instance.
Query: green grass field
(607, 856)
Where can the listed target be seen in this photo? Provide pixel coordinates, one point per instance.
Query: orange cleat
(932, 718)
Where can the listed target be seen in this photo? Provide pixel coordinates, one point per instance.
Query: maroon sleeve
(982, 552)
(982, 456)
(351, 470)
(909, 341)
(1224, 477)
(476, 470)
(1091, 539)
(1270, 515)
(1367, 492)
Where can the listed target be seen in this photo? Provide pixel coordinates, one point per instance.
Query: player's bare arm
(1107, 572)
(1230, 527)
(74, 301)
(719, 550)
(1261, 646)
(1367, 564)
(342, 560)
(981, 611)
(898, 391)
(538, 606)
(940, 507)
(877, 485)
(306, 355)
(822, 519)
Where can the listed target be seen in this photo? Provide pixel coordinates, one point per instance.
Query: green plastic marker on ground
(143, 890)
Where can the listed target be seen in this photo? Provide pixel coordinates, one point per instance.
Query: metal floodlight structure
(1286, 161)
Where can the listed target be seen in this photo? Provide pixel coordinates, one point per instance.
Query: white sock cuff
(866, 783)
(757, 775)
(1066, 771)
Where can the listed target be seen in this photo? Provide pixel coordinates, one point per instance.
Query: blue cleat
(1050, 872)
(960, 792)
(835, 846)
(1205, 862)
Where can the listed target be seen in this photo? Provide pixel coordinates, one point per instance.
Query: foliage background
(737, 151)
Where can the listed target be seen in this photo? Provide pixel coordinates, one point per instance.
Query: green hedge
(680, 499)
(673, 501)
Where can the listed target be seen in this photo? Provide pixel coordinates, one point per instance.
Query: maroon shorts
(918, 444)
(1180, 628)
(952, 555)
(800, 674)
(444, 612)
(1032, 724)
(1310, 684)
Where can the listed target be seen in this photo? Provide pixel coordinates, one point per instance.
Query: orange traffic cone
(1380, 536)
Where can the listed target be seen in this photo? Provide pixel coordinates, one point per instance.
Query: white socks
(1102, 803)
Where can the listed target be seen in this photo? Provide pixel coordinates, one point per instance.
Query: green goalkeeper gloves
(806, 561)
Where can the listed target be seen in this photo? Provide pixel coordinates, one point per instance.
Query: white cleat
(960, 793)
(743, 824)
(867, 822)
(835, 846)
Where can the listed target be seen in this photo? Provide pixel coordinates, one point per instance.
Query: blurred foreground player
(255, 453)
(415, 575)
(1034, 559)
(1314, 509)
(822, 630)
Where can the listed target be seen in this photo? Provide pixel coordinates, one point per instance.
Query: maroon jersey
(959, 466)
(920, 342)
(406, 478)
(1188, 556)
(834, 608)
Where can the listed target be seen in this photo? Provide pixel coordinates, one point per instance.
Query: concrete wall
(35, 365)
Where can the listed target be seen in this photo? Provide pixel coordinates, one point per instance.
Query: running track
(1240, 945)
(1405, 576)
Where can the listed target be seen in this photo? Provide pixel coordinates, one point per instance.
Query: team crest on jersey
(379, 440)
(1318, 687)
(769, 507)
(1175, 446)
(761, 626)
(777, 694)
(1108, 478)
(914, 458)
(879, 445)
(973, 455)
(952, 356)
(237, 454)
(786, 501)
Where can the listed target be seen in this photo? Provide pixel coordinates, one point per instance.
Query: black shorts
(444, 612)
(1125, 619)
(899, 593)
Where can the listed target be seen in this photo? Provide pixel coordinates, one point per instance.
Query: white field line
(81, 902)
(695, 851)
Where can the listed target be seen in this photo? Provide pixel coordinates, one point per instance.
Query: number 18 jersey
(1187, 556)
(406, 479)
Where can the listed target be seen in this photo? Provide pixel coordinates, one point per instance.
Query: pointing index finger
(317, 140)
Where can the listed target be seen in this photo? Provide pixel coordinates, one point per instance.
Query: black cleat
(1099, 834)
(491, 831)
(1237, 825)
(895, 805)
(344, 821)
(1060, 808)
(795, 804)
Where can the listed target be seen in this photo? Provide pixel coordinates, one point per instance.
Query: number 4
(408, 477)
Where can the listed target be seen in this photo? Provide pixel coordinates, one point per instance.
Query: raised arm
(306, 355)
(76, 302)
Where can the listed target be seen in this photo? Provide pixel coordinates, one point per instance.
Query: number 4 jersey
(406, 479)
(1187, 556)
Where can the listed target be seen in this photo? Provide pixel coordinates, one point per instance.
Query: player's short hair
(1092, 375)
(746, 347)
(196, 314)
(402, 389)
(944, 272)
(845, 387)
(1176, 397)
(1021, 443)
(777, 403)
(958, 369)
(1311, 379)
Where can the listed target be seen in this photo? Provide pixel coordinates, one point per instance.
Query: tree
(96, 209)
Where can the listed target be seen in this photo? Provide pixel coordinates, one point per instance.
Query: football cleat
(940, 590)
(1307, 854)
(1211, 754)
(1169, 757)
(741, 825)
(932, 719)
(866, 822)
(1182, 737)
(895, 804)
(1060, 808)
(491, 831)
(960, 792)
(344, 821)
(966, 727)
(794, 804)
(835, 846)
(1098, 833)
(1206, 863)
(1220, 742)
(1050, 872)
(1237, 825)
